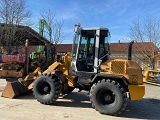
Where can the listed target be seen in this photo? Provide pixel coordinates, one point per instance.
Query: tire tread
(124, 95)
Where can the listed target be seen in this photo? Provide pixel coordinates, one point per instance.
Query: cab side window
(102, 48)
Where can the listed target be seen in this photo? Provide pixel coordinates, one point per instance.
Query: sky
(116, 15)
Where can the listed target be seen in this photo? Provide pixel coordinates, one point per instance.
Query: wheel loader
(110, 82)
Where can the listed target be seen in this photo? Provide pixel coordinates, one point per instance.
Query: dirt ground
(76, 106)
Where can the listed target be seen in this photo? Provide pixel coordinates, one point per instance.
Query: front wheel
(46, 89)
(108, 97)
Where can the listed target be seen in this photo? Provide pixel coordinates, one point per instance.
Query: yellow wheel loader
(110, 82)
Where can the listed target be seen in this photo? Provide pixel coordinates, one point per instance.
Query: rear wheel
(108, 97)
(46, 89)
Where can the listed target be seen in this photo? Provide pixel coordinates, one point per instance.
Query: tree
(56, 26)
(12, 14)
(145, 30)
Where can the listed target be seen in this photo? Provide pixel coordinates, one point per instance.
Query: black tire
(108, 97)
(46, 89)
(68, 91)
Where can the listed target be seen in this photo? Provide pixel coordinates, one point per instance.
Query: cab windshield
(87, 43)
(86, 46)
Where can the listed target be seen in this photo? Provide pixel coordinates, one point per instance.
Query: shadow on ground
(74, 100)
(146, 108)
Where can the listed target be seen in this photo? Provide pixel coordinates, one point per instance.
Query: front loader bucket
(13, 89)
(21, 86)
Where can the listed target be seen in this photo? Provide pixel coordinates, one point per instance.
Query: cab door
(86, 52)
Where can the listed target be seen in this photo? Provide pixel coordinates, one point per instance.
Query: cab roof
(95, 28)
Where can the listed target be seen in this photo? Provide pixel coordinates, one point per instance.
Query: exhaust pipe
(130, 50)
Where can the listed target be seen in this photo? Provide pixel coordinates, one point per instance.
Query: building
(20, 34)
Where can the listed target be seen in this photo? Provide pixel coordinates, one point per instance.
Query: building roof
(137, 47)
(117, 47)
(26, 33)
(64, 48)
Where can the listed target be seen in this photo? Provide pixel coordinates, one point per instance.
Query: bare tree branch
(57, 36)
(12, 13)
(146, 30)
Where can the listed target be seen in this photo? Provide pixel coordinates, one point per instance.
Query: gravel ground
(76, 106)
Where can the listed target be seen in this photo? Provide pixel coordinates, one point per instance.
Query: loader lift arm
(14, 89)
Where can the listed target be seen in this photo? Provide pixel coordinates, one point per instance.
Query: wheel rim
(44, 88)
(106, 97)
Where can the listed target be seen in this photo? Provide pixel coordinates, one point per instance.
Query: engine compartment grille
(118, 67)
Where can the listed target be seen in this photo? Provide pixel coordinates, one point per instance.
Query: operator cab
(90, 47)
